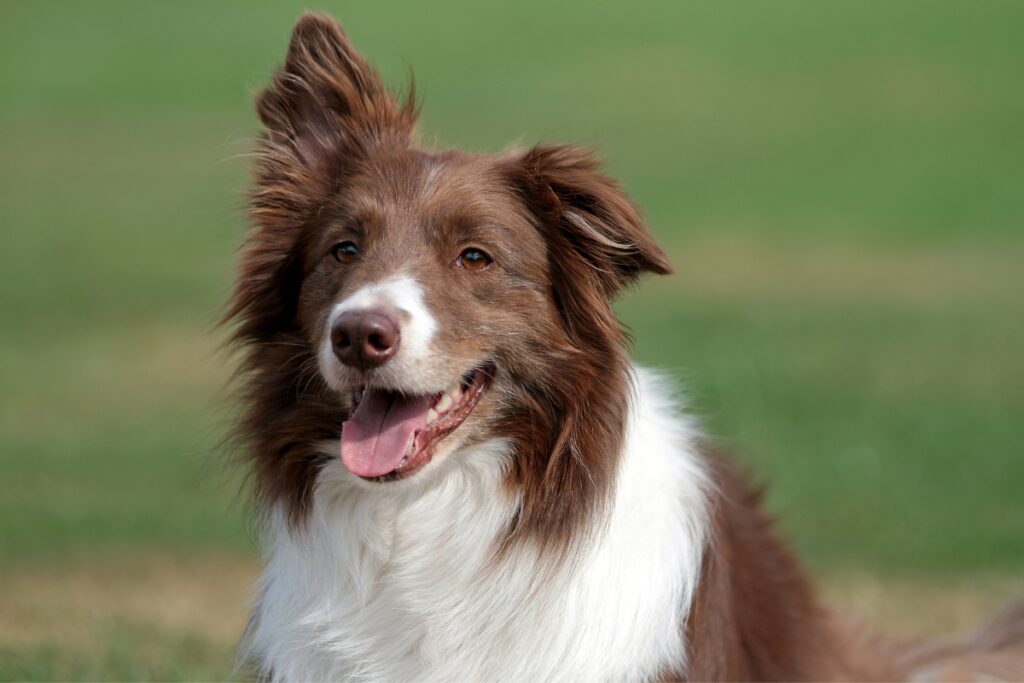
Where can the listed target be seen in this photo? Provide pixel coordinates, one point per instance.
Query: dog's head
(410, 303)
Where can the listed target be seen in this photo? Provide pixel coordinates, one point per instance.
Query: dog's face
(424, 278)
(409, 303)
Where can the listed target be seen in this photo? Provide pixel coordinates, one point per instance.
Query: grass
(839, 186)
(154, 617)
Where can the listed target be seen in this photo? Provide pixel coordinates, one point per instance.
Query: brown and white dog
(463, 475)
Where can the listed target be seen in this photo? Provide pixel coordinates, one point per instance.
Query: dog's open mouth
(391, 435)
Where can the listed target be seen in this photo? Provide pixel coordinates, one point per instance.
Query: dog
(461, 474)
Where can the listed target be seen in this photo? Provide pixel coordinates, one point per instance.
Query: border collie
(462, 475)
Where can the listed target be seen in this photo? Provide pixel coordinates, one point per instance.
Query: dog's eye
(345, 252)
(474, 259)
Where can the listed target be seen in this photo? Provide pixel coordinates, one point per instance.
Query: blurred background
(840, 186)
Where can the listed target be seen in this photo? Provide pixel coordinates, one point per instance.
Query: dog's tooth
(454, 390)
(431, 415)
(444, 403)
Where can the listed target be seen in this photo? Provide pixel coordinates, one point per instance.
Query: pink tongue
(374, 439)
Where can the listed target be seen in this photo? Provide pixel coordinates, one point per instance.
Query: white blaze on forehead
(416, 324)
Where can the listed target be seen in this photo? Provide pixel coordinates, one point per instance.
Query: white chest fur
(404, 587)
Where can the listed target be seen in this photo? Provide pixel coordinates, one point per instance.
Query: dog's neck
(409, 586)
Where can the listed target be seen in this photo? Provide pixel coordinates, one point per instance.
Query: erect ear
(324, 110)
(586, 210)
(326, 100)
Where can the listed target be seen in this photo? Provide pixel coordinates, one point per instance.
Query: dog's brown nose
(365, 339)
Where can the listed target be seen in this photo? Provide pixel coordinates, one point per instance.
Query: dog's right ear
(326, 103)
(325, 111)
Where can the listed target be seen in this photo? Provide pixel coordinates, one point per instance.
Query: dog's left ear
(583, 209)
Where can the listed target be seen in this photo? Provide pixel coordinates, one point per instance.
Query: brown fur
(338, 161)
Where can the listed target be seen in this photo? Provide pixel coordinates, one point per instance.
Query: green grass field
(840, 185)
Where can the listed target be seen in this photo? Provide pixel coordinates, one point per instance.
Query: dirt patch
(916, 608)
(77, 603)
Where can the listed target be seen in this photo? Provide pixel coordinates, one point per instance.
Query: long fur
(408, 587)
